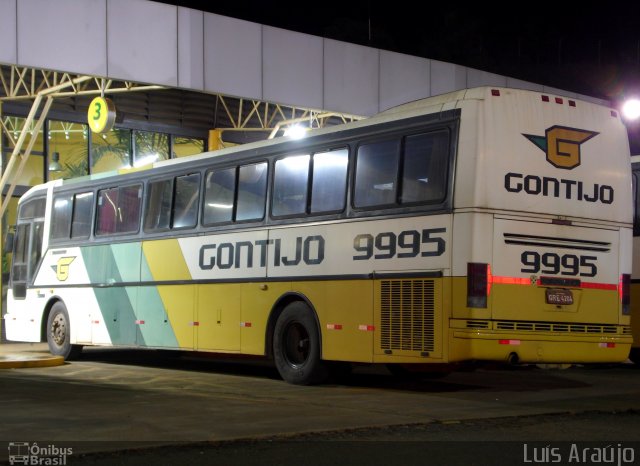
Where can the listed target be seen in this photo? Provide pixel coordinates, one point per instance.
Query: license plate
(559, 296)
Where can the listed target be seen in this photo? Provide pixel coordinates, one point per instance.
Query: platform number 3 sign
(101, 114)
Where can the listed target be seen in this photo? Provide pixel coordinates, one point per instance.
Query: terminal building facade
(186, 82)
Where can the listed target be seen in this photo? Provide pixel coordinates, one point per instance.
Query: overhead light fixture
(54, 165)
(295, 132)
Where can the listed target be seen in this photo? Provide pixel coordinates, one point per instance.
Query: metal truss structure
(233, 120)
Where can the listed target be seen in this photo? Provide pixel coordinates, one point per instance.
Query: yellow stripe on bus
(165, 260)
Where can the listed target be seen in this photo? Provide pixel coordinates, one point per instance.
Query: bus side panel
(473, 239)
(23, 320)
(109, 267)
(166, 310)
(218, 317)
(257, 299)
(66, 267)
(349, 311)
(229, 316)
(165, 316)
(635, 292)
(410, 317)
(345, 314)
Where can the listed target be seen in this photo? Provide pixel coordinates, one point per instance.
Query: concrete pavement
(25, 355)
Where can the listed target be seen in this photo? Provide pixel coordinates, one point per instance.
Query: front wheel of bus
(58, 333)
(296, 346)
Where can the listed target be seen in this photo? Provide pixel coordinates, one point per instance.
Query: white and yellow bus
(486, 224)
(635, 274)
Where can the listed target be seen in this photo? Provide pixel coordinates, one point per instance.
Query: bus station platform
(24, 355)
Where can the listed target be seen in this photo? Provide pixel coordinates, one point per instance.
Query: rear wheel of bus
(296, 346)
(58, 333)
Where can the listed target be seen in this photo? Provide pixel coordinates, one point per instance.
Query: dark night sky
(592, 48)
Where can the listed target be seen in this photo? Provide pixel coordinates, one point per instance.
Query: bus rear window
(118, 210)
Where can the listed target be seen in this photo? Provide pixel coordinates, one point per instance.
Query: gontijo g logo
(62, 268)
(562, 145)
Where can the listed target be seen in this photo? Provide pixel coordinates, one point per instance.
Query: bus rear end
(543, 205)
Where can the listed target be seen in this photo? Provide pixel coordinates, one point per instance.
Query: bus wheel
(296, 346)
(58, 333)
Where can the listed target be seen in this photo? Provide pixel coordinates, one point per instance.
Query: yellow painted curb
(19, 361)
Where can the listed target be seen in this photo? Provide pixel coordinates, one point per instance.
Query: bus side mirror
(8, 242)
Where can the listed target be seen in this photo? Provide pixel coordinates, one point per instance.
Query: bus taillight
(478, 284)
(624, 290)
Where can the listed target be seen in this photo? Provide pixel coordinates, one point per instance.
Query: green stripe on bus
(116, 304)
(156, 329)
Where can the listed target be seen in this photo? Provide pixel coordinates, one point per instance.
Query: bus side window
(61, 217)
(376, 174)
(118, 210)
(81, 218)
(290, 182)
(19, 264)
(32, 209)
(129, 209)
(252, 190)
(159, 197)
(185, 203)
(219, 192)
(329, 186)
(424, 178)
(37, 237)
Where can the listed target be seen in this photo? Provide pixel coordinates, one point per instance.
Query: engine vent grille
(478, 324)
(407, 315)
(557, 327)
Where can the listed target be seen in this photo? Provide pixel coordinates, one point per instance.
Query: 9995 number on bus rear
(558, 264)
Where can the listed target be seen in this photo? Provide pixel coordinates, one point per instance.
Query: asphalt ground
(563, 438)
(151, 407)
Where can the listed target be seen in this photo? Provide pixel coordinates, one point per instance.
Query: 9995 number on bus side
(558, 264)
(406, 244)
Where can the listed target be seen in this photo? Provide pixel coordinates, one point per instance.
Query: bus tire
(58, 333)
(296, 346)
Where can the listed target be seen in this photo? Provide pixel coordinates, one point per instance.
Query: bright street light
(631, 109)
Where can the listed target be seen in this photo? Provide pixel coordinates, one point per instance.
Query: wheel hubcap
(59, 330)
(297, 344)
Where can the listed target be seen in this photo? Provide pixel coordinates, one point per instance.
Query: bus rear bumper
(538, 348)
